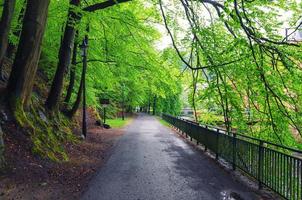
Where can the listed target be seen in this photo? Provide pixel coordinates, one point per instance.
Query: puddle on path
(230, 195)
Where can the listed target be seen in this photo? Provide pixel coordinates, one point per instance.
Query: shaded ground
(33, 178)
(150, 162)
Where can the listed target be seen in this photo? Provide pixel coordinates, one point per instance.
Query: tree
(64, 55)
(10, 51)
(66, 48)
(26, 62)
(248, 70)
(5, 24)
(72, 73)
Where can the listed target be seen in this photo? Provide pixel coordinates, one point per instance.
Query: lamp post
(123, 101)
(83, 48)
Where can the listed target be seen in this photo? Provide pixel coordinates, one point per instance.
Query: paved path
(150, 162)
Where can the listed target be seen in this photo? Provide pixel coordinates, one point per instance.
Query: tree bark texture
(28, 53)
(72, 72)
(5, 25)
(65, 52)
(77, 103)
(154, 105)
(11, 49)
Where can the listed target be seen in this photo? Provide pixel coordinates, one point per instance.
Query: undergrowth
(48, 131)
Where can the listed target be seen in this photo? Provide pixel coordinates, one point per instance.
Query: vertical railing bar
(279, 172)
(251, 157)
(205, 138)
(293, 179)
(234, 151)
(254, 164)
(300, 179)
(282, 173)
(260, 164)
(287, 177)
(290, 177)
(274, 170)
(217, 144)
(296, 179)
(265, 165)
(270, 166)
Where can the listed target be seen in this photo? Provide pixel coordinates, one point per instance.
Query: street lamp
(123, 101)
(84, 47)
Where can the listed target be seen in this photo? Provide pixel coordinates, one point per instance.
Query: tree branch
(103, 5)
(96, 60)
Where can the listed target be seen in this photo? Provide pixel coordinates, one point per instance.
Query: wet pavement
(150, 162)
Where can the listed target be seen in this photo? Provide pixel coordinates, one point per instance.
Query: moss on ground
(163, 122)
(48, 131)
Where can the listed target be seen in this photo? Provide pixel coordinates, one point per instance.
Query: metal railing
(274, 166)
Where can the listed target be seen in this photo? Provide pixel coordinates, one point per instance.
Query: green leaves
(260, 92)
(124, 62)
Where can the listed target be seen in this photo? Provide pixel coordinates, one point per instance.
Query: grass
(118, 122)
(163, 122)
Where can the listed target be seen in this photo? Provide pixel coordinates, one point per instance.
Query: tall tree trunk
(5, 24)
(12, 47)
(29, 49)
(154, 105)
(53, 99)
(77, 103)
(2, 160)
(72, 72)
(149, 106)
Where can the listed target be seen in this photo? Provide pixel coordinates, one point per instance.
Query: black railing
(274, 166)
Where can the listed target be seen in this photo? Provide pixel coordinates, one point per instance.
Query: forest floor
(30, 177)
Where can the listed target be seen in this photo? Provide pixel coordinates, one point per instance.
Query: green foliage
(125, 67)
(259, 91)
(211, 119)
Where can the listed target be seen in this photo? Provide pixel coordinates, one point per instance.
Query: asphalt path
(151, 162)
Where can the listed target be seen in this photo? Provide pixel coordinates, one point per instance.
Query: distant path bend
(150, 162)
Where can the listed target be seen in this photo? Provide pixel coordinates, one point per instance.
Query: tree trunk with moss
(25, 65)
(77, 103)
(65, 52)
(5, 24)
(72, 73)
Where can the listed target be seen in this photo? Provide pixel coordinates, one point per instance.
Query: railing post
(205, 146)
(191, 132)
(260, 164)
(234, 150)
(217, 144)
